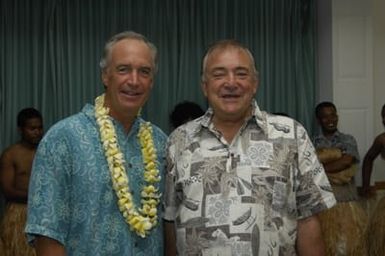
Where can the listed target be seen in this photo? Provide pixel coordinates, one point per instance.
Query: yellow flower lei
(144, 219)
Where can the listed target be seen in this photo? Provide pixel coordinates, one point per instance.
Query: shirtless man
(15, 169)
(377, 148)
(375, 238)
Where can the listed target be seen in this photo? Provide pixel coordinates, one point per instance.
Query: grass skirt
(13, 238)
(375, 237)
(343, 228)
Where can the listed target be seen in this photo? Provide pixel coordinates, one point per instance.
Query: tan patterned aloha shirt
(242, 198)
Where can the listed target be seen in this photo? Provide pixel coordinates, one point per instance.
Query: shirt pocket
(271, 189)
(280, 193)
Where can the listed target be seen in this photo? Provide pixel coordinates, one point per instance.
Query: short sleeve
(48, 198)
(313, 191)
(351, 147)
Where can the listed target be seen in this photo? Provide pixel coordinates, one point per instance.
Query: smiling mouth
(130, 93)
(230, 96)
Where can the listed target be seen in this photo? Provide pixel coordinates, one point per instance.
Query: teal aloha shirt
(71, 198)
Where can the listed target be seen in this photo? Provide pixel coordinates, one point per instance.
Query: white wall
(378, 78)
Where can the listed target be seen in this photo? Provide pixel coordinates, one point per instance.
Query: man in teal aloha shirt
(73, 208)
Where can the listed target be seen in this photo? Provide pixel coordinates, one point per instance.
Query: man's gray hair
(127, 35)
(222, 45)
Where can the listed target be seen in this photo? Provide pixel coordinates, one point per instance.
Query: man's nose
(133, 77)
(231, 78)
(37, 132)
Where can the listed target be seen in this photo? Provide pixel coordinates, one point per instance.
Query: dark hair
(185, 111)
(281, 114)
(325, 104)
(26, 114)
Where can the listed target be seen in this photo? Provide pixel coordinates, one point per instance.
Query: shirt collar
(257, 115)
(89, 111)
(336, 134)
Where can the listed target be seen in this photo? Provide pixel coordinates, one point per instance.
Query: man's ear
(204, 88)
(20, 131)
(255, 89)
(104, 78)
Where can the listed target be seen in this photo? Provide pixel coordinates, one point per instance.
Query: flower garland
(144, 219)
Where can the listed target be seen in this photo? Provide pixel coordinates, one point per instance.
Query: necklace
(140, 220)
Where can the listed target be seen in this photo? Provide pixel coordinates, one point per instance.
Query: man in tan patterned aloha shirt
(241, 181)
